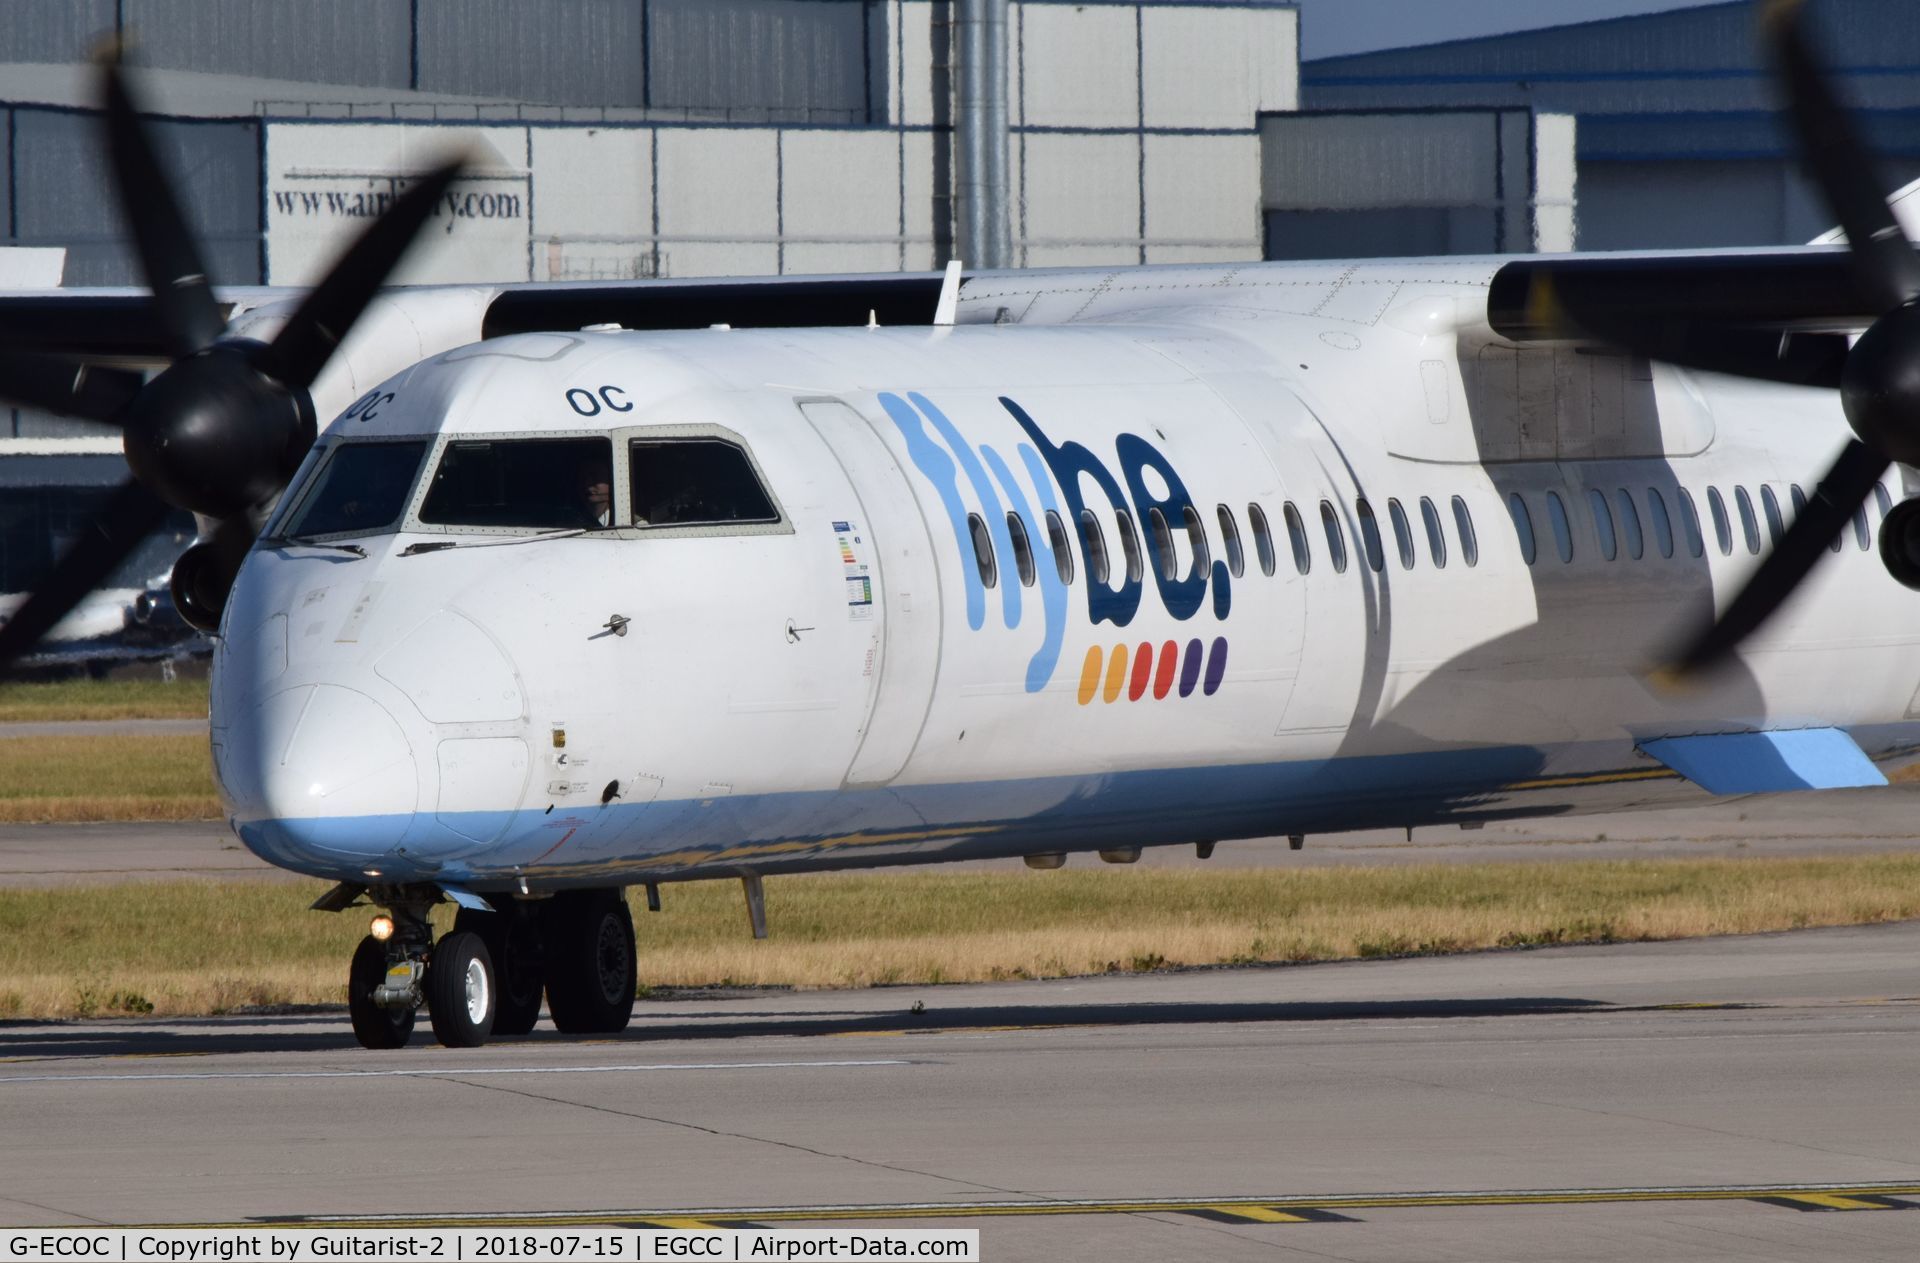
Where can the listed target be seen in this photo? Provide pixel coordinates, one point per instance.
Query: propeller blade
(1836, 156)
(1845, 487)
(182, 298)
(321, 322)
(71, 388)
(132, 515)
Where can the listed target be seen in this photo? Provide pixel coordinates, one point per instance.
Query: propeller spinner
(223, 428)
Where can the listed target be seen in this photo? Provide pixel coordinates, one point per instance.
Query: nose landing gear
(399, 967)
(486, 976)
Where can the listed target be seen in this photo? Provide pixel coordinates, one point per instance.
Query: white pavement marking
(439, 1074)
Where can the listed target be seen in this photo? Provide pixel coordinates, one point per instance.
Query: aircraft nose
(320, 778)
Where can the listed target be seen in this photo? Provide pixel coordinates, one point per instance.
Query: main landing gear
(487, 975)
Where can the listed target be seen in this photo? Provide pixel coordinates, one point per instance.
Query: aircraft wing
(118, 324)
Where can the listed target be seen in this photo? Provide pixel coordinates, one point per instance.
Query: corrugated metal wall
(52, 30)
(800, 60)
(63, 197)
(772, 60)
(309, 41)
(562, 52)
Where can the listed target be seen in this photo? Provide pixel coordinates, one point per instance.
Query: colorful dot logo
(1132, 670)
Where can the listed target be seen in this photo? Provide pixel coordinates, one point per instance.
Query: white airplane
(1094, 561)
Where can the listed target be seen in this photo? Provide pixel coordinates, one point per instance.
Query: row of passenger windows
(1163, 539)
(1617, 522)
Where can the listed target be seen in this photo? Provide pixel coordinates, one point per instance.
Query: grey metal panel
(1328, 161)
(798, 60)
(1662, 205)
(1397, 232)
(52, 30)
(314, 41)
(559, 52)
(63, 197)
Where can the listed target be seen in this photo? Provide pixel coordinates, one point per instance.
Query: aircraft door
(904, 605)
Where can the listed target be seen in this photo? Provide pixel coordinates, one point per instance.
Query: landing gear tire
(460, 991)
(590, 962)
(512, 936)
(374, 1026)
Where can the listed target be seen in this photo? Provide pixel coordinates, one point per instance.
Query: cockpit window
(544, 484)
(694, 482)
(360, 487)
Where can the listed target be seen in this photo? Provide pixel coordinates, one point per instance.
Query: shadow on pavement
(22, 1042)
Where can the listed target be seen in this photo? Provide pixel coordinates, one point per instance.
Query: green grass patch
(72, 778)
(209, 947)
(82, 699)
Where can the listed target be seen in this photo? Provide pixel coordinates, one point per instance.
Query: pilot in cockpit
(595, 480)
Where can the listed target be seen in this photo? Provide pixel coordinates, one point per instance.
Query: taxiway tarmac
(1696, 1100)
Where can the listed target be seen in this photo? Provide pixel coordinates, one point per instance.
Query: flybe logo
(1073, 483)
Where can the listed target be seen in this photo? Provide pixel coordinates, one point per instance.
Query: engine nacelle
(1900, 543)
(202, 577)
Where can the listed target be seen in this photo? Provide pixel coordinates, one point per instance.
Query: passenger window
(1469, 540)
(1162, 544)
(362, 487)
(1799, 500)
(1881, 498)
(1662, 524)
(1630, 524)
(1370, 537)
(1022, 549)
(1770, 505)
(1722, 530)
(1129, 544)
(1230, 537)
(1057, 541)
(1749, 525)
(1436, 536)
(1262, 538)
(1862, 533)
(1197, 541)
(1336, 538)
(1690, 523)
(1402, 533)
(983, 551)
(1603, 523)
(1297, 536)
(1562, 529)
(545, 484)
(694, 482)
(1094, 540)
(1522, 526)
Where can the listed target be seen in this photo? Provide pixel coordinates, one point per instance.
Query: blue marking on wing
(1053, 593)
(996, 516)
(933, 461)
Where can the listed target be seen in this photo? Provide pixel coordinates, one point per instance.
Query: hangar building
(1676, 134)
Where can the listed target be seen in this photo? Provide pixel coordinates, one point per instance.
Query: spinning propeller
(1879, 380)
(223, 428)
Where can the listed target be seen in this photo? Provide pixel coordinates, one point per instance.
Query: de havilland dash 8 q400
(587, 587)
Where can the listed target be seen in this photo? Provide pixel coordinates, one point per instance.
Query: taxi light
(382, 927)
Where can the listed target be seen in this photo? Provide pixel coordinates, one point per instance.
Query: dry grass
(71, 778)
(197, 948)
(64, 700)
